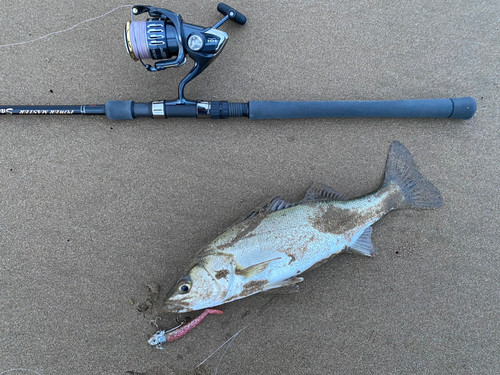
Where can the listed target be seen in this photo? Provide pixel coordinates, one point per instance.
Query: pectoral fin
(253, 270)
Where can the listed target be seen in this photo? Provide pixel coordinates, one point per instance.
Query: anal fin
(364, 245)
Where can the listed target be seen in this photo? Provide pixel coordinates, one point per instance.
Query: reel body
(166, 38)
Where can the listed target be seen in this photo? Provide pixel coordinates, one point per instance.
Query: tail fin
(417, 191)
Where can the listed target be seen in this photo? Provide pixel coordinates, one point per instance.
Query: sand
(99, 218)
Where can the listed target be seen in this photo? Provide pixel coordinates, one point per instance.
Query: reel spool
(152, 39)
(167, 39)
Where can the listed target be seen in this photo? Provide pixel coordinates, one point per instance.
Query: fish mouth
(174, 307)
(170, 304)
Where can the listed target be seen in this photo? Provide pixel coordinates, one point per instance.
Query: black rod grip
(126, 110)
(462, 108)
(119, 109)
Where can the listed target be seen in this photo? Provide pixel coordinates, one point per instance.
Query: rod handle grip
(119, 109)
(460, 108)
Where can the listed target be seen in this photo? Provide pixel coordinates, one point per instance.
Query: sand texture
(99, 218)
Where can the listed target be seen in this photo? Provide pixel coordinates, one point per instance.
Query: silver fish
(280, 240)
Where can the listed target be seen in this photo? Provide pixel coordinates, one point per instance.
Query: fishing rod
(166, 41)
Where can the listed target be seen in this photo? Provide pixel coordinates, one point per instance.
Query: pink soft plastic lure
(176, 333)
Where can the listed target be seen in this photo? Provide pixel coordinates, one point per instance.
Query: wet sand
(99, 218)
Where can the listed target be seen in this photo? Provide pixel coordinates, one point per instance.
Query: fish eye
(184, 286)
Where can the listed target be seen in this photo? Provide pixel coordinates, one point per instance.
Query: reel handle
(232, 13)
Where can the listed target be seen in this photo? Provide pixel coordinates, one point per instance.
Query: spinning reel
(167, 38)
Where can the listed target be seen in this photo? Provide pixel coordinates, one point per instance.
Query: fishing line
(220, 347)
(65, 30)
(224, 353)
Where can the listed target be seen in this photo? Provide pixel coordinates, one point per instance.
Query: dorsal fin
(275, 204)
(322, 192)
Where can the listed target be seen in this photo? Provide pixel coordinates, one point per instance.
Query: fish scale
(299, 245)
